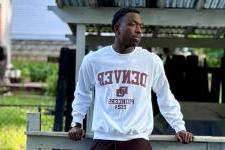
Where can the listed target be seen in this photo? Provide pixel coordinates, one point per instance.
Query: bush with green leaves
(39, 71)
(213, 56)
(51, 88)
(23, 65)
(36, 71)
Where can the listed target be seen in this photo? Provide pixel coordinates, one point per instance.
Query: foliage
(213, 56)
(36, 71)
(39, 71)
(51, 88)
(2, 89)
(23, 65)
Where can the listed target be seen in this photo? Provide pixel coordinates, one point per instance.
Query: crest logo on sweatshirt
(122, 91)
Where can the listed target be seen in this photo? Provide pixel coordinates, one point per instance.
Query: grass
(23, 99)
(13, 119)
(12, 138)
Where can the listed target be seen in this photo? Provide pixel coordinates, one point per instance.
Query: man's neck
(122, 49)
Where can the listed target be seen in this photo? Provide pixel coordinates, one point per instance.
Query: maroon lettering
(126, 76)
(109, 77)
(122, 76)
(143, 79)
(100, 78)
(135, 77)
(117, 75)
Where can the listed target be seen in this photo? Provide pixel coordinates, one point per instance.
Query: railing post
(33, 124)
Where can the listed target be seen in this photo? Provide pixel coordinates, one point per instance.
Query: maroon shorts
(135, 144)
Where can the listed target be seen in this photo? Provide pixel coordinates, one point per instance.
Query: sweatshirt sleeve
(168, 105)
(82, 94)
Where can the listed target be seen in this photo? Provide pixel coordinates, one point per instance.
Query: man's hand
(76, 133)
(184, 137)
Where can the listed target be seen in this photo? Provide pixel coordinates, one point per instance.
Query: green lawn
(26, 99)
(13, 119)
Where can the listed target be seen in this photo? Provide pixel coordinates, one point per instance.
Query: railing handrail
(171, 138)
(37, 139)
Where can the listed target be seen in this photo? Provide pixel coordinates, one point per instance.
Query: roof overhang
(152, 16)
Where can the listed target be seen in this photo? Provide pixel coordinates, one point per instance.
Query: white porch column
(8, 34)
(80, 46)
(5, 37)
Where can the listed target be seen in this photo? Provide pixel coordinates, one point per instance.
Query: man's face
(129, 29)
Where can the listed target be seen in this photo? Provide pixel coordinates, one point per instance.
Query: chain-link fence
(13, 124)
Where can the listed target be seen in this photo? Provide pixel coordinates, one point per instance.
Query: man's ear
(116, 28)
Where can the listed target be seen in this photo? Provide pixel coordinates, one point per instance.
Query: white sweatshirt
(123, 83)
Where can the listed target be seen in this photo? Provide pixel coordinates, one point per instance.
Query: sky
(32, 20)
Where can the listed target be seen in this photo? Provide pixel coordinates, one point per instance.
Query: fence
(59, 140)
(191, 82)
(13, 124)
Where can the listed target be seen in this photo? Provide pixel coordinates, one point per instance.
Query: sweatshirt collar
(124, 55)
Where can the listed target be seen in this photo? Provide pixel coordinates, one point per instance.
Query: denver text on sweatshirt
(123, 84)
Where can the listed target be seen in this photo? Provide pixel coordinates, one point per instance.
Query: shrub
(36, 71)
(39, 72)
(51, 88)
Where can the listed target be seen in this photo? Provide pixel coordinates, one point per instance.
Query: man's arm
(168, 105)
(82, 100)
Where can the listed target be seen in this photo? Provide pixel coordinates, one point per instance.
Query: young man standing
(123, 76)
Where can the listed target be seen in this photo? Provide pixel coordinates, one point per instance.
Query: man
(123, 76)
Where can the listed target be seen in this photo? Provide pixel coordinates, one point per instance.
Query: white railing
(36, 139)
